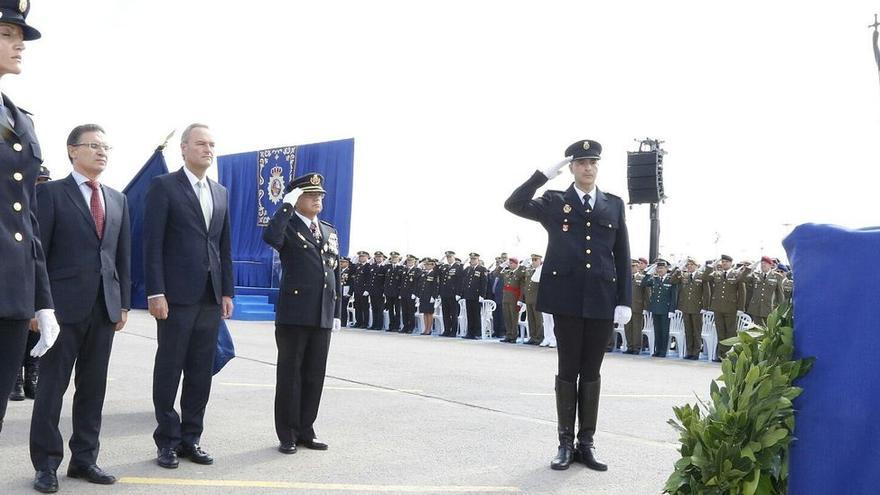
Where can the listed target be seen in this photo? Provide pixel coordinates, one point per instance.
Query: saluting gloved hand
(49, 331)
(519, 304)
(291, 197)
(413, 297)
(622, 315)
(457, 298)
(431, 300)
(366, 293)
(481, 299)
(337, 324)
(554, 170)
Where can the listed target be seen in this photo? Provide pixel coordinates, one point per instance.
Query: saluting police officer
(585, 285)
(767, 292)
(693, 301)
(24, 284)
(309, 307)
(360, 284)
(376, 290)
(450, 280)
(345, 280)
(393, 279)
(409, 286)
(473, 286)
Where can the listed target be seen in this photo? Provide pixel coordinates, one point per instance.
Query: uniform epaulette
(327, 223)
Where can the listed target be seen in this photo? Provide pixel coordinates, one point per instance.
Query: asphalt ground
(402, 414)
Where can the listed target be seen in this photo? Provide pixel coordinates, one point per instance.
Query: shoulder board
(327, 223)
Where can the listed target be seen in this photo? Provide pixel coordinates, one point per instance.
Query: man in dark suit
(24, 286)
(309, 307)
(85, 233)
(585, 285)
(188, 266)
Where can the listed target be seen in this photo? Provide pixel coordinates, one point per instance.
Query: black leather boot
(566, 406)
(17, 393)
(31, 374)
(588, 412)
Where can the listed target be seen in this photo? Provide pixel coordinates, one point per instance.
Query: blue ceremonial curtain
(253, 180)
(136, 192)
(836, 287)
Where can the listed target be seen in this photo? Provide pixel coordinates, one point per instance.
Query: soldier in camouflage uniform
(767, 291)
(693, 300)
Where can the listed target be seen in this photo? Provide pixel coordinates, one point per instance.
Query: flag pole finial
(168, 138)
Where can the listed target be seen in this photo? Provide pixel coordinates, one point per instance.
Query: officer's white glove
(702, 311)
(413, 297)
(622, 315)
(481, 299)
(291, 197)
(366, 293)
(337, 324)
(49, 331)
(505, 264)
(457, 298)
(519, 304)
(671, 315)
(431, 300)
(554, 170)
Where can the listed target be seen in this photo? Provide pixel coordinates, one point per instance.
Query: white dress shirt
(87, 191)
(592, 194)
(193, 180)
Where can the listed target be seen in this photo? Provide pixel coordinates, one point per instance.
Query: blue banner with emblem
(276, 167)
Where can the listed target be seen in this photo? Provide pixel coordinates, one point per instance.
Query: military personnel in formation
(530, 298)
(360, 285)
(787, 284)
(393, 279)
(724, 284)
(495, 292)
(637, 323)
(661, 304)
(744, 292)
(409, 285)
(450, 280)
(474, 282)
(429, 291)
(693, 300)
(513, 278)
(767, 291)
(376, 290)
(345, 279)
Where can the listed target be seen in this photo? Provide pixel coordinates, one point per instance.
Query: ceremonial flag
(276, 168)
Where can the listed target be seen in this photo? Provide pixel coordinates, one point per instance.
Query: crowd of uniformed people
(409, 288)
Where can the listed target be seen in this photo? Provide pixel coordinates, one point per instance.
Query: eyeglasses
(96, 146)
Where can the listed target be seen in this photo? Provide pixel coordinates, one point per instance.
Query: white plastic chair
(676, 329)
(743, 321)
(438, 317)
(549, 329)
(709, 335)
(620, 330)
(648, 330)
(523, 323)
(420, 320)
(487, 316)
(351, 312)
(462, 318)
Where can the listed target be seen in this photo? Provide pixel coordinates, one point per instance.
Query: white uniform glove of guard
(481, 299)
(622, 315)
(291, 197)
(366, 293)
(554, 170)
(432, 299)
(671, 315)
(457, 298)
(337, 324)
(49, 331)
(413, 297)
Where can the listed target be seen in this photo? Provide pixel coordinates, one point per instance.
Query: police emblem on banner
(276, 167)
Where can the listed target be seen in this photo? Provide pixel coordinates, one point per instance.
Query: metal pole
(655, 232)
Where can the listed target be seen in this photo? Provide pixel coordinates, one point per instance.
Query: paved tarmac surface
(402, 414)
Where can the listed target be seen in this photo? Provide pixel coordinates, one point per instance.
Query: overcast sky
(770, 110)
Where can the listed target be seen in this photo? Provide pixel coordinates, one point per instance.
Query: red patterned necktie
(97, 209)
(315, 232)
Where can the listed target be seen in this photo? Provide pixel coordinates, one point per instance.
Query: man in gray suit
(84, 230)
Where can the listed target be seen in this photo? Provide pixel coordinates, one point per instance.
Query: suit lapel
(218, 208)
(112, 214)
(191, 197)
(572, 199)
(72, 190)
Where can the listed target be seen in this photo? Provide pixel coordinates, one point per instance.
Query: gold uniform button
(589, 238)
(305, 247)
(17, 176)
(610, 226)
(16, 146)
(589, 251)
(589, 266)
(554, 272)
(18, 236)
(589, 224)
(16, 206)
(295, 291)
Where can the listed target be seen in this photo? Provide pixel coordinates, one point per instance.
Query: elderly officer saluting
(309, 307)
(585, 285)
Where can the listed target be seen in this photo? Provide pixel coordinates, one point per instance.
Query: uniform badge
(22, 6)
(333, 243)
(315, 180)
(565, 227)
(566, 209)
(586, 145)
(276, 184)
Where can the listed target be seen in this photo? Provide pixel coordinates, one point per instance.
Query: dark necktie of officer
(315, 232)
(587, 203)
(95, 206)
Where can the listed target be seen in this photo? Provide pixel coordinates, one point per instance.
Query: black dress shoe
(167, 458)
(195, 454)
(46, 481)
(563, 458)
(17, 393)
(287, 448)
(585, 455)
(92, 474)
(313, 444)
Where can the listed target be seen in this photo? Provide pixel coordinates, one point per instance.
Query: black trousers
(498, 329)
(472, 306)
(13, 338)
(344, 317)
(450, 315)
(299, 380)
(393, 305)
(361, 310)
(661, 335)
(187, 344)
(86, 347)
(408, 312)
(580, 346)
(377, 305)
